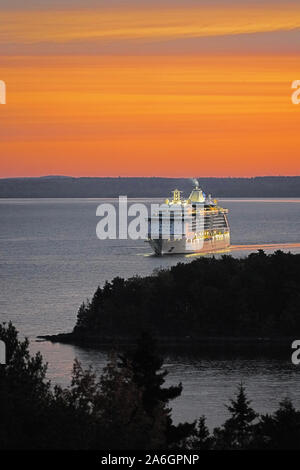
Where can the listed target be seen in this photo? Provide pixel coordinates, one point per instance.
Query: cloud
(109, 27)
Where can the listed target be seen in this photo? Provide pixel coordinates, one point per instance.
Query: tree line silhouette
(128, 407)
(255, 296)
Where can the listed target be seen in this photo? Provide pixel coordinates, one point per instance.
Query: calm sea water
(51, 260)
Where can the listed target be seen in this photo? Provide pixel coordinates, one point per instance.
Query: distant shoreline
(147, 187)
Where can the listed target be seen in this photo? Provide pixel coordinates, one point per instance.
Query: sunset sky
(149, 87)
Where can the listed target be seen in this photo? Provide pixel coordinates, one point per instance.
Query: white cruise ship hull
(184, 246)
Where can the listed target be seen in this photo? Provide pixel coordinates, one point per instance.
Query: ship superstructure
(194, 225)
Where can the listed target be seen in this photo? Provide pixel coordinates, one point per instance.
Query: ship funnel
(197, 195)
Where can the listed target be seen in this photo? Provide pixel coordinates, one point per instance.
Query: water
(51, 260)
(208, 382)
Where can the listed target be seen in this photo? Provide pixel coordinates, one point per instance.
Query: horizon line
(147, 176)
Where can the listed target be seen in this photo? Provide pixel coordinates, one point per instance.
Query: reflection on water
(239, 249)
(208, 382)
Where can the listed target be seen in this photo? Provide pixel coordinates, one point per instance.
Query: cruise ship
(193, 225)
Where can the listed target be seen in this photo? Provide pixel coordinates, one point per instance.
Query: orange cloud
(146, 23)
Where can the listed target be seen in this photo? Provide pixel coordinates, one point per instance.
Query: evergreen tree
(202, 440)
(147, 374)
(237, 431)
(280, 430)
(24, 394)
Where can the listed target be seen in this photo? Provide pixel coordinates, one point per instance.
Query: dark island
(210, 302)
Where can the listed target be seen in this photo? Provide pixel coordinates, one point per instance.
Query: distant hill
(69, 187)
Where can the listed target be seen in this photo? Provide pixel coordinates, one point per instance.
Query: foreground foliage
(126, 408)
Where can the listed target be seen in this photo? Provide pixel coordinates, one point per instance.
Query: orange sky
(150, 90)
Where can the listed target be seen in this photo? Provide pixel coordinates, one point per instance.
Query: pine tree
(147, 374)
(281, 430)
(24, 394)
(202, 440)
(237, 431)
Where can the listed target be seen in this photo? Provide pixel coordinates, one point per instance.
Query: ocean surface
(51, 261)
